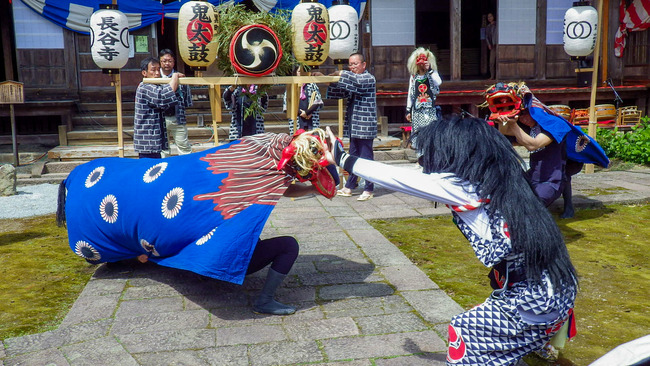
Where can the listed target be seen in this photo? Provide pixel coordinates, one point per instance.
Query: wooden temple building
(69, 101)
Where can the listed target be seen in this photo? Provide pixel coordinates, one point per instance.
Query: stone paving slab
(360, 301)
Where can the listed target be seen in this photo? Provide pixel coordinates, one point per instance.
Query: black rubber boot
(265, 303)
(567, 197)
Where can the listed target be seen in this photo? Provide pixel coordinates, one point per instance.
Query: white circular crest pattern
(154, 172)
(172, 203)
(108, 209)
(204, 239)
(94, 176)
(86, 251)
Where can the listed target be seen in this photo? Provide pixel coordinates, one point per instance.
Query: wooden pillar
(293, 105)
(117, 82)
(593, 123)
(341, 114)
(540, 40)
(454, 35)
(604, 26)
(14, 141)
(215, 108)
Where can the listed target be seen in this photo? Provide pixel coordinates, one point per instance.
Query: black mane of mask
(478, 153)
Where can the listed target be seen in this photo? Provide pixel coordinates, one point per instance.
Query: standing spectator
(151, 100)
(424, 87)
(491, 39)
(309, 104)
(246, 109)
(359, 87)
(175, 118)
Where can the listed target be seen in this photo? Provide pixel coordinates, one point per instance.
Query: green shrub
(632, 146)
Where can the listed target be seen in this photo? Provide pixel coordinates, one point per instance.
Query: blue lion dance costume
(201, 212)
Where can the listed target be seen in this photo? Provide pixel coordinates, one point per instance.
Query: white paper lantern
(344, 31)
(580, 30)
(197, 26)
(109, 38)
(310, 24)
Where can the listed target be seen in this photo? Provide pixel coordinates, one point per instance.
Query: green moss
(605, 191)
(40, 277)
(608, 246)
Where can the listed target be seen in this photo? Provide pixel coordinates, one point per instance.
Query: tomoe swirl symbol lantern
(580, 30)
(197, 24)
(109, 38)
(344, 31)
(255, 50)
(310, 23)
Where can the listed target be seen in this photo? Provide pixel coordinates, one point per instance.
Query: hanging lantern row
(255, 50)
(580, 29)
(109, 38)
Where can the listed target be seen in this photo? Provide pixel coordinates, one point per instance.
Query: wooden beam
(243, 80)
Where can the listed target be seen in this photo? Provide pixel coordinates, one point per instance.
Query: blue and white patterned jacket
(149, 134)
(361, 112)
(184, 94)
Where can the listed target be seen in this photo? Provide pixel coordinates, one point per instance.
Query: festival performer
(473, 169)
(424, 87)
(557, 148)
(246, 110)
(309, 104)
(202, 212)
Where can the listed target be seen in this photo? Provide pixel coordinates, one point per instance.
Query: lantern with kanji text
(311, 41)
(197, 42)
(109, 38)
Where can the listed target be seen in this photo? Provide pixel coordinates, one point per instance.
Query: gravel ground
(30, 201)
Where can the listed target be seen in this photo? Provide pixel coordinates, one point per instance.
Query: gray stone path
(360, 301)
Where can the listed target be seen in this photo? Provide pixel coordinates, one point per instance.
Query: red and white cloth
(633, 17)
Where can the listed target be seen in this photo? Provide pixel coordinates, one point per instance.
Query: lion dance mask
(505, 99)
(304, 159)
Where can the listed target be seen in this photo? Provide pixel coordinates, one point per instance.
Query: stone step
(54, 167)
(52, 178)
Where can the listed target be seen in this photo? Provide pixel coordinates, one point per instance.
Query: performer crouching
(201, 212)
(473, 169)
